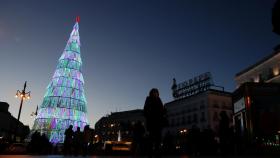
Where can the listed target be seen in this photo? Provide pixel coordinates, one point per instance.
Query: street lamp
(23, 96)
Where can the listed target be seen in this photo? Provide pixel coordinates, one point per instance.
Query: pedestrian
(138, 137)
(86, 140)
(68, 140)
(77, 141)
(154, 113)
(224, 133)
(194, 140)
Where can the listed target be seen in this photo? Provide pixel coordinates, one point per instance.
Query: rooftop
(276, 52)
(213, 91)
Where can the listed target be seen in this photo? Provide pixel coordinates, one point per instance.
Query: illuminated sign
(192, 86)
(239, 105)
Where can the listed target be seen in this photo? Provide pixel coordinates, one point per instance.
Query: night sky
(129, 47)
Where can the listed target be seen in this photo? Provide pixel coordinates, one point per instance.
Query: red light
(248, 102)
(78, 19)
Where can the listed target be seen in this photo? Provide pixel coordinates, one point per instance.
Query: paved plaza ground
(183, 156)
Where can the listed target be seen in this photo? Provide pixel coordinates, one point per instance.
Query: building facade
(266, 70)
(256, 104)
(202, 110)
(119, 125)
(10, 126)
(197, 102)
(256, 112)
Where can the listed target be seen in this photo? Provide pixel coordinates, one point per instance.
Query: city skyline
(129, 47)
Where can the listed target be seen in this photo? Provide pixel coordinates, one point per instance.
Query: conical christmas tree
(64, 102)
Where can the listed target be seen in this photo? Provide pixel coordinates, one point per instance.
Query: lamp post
(34, 114)
(23, 96)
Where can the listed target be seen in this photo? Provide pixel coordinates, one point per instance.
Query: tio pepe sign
(192, 86)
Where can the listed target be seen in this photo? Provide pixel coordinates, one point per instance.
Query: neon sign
(192, 86)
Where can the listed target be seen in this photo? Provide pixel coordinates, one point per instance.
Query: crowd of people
(39, 144)
(194, 141)
(77, 142)
(148, 140)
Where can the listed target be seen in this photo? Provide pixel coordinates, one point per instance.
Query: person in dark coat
(86, 139)
(68, 140)
(224, 132)
(154, 113)
(138, 137)
(77, 141)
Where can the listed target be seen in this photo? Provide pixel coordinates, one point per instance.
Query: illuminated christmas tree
(64, 102)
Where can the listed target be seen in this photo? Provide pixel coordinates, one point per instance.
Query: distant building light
(276, 71)
(257, 79)
(183, 131)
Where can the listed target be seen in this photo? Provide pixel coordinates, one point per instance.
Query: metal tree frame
(64, 102)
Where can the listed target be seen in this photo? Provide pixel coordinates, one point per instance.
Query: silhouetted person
(45, 145)
(138, 137)
(194, 140)
(68, 140)
(224, 133)
(77, 141)
(34, 143)
(154, 113)
(39, 144)
(86, 139)
(208, 144)
(168, 145)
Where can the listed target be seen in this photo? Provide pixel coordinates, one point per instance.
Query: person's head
(71, 127)
(86, 127)
(154, 92)
(78, 129)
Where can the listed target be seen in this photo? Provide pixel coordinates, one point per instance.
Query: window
(215, 117)
(251, 80)
(224, 105)
(202, 117)
(183, 120)
(189, 119)
(215, 104)
(269, 74)
(178, 121)
(202, 104)
(195, 118)
(261, 78)
(172, 122)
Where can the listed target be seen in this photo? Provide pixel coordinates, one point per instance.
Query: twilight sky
(129, 46)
